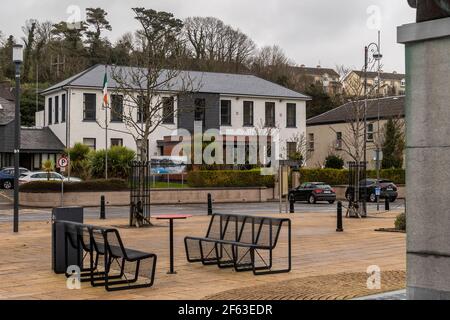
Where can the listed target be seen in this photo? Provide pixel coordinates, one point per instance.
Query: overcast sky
(328, 32)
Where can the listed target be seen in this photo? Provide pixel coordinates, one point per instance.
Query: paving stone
(25, 269)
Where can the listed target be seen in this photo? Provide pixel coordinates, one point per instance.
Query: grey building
(37, 144)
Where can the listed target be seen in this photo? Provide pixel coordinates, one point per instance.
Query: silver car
(45, 176)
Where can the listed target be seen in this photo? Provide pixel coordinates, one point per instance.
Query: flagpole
(106, 143)
(106, 121)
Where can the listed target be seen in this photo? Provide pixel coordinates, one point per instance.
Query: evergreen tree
(393, 145)
(98, 46)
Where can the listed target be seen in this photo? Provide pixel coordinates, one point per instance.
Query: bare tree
(216, 44)
(29, 39)
(302, 150)
(149, 92)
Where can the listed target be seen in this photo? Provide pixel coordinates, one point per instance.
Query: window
(199, 114)
(116, 108)
(168, 110)
(50, 111)
(57, 109)
(140, 111)
(116, 142)
(403, 82)
(291, 114)
(338, 140)
(225, 112)
(248, 113)
(311, 142)
(89, 106)
(270, 114)
(63, 108)
(90, 142)
(370, 132)
(292, 152)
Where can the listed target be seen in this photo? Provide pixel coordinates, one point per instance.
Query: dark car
(7, 177)
(368, 187)
(313, 192)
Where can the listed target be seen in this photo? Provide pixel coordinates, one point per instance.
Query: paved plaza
(320, 256)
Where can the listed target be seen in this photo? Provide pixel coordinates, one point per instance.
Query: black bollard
(291, 206)
(340, 227)
(386, 204)
(210, 205)
(102, 208)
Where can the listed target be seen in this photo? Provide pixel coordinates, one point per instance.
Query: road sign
(377, 192)
(63, 162)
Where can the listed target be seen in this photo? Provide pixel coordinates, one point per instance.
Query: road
(32, 214)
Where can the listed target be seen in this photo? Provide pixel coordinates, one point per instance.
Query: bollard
(209, 204)
(386, 204)
(291, 206)
(102, 208)
(340, 227)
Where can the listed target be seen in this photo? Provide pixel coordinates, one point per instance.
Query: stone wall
(158, 196)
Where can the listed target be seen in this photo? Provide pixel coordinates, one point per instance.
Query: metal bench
(110, 264)
(245, 243)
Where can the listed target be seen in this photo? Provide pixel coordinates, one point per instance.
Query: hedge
(337, 177)
(84, 186)
(229, 179)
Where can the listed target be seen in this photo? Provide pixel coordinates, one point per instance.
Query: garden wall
(158, 196)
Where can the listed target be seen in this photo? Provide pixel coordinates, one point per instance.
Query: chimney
(302, 66)
(394, 72)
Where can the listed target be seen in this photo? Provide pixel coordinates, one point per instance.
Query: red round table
(172, 217)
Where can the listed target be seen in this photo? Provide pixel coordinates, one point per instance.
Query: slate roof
(316, 71)
(389, 107)
(39, 139)
(383, 75)
(6, 111)
(204, 82)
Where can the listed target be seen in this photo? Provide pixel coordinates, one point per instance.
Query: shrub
(48, 167)
(396, 175)
(84, 186)
(229, 178)
(330, 176)
(79, 160)
(340, 177)
(400, 222)
(119, 160)
(334, 162)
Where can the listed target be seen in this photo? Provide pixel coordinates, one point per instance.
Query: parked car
(368, 187)
(313, 192)
(7, 177)
(44, 176)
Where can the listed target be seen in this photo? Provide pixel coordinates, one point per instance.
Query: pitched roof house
(326, 132)
(236, 103)
(36, 144)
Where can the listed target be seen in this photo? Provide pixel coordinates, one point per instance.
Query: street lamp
(17, 59)
(377, 56)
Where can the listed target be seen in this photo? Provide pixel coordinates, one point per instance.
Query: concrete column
(295, 179)
(427, 158)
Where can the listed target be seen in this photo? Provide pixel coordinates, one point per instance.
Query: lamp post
(17, 59)
(377, 56)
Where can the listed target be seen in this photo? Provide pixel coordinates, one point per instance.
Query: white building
(243, 104)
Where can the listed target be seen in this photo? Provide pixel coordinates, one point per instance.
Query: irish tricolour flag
(105, 91)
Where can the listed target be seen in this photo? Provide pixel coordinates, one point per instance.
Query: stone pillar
(295, 179)
(427, 158)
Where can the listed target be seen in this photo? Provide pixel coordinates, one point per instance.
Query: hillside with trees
(54, 51)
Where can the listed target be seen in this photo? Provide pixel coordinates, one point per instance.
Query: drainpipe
(68, 97)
